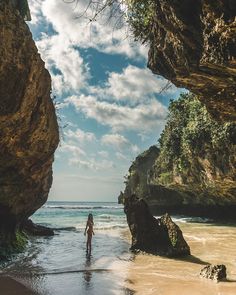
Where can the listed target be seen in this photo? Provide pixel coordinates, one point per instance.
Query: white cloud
(142, 118)
(121, 156)
(115, 140)
(103, 154)
(92, 164)
(35, 11)
(133, 84)
(101, 34)
(75, 151)
(60, 50)
(80, 135)
(68, 71)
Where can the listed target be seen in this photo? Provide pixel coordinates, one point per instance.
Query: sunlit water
(59, 265)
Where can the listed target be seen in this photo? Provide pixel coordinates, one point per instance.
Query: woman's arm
(85, 228)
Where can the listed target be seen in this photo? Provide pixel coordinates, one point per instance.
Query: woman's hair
(90, 217)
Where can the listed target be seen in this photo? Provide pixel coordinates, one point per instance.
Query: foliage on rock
(190, 138)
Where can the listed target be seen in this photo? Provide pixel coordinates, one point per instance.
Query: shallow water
(59, 265)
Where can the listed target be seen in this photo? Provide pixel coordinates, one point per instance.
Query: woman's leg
(89, 243)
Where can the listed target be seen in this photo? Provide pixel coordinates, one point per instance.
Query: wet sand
(9, 286)
(108, 273)
(214, 244)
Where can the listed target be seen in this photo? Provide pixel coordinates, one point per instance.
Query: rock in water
(35, 229)
(214, 272)
(28, 126)
(158, 236)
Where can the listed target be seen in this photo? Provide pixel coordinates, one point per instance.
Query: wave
(66, 228)
(191, 219)
(104, 226)
(80, 207)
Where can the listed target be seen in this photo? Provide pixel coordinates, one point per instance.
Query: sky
(108, 103)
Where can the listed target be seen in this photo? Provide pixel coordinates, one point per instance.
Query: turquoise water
(59, 264)
(61, 215)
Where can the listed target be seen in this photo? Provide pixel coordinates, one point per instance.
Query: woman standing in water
(90, 232)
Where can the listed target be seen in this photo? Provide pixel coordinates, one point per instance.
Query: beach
(209, 243)
(59, 264)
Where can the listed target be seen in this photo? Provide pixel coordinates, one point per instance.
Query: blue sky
(106, 99)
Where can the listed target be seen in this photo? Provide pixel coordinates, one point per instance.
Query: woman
(90, 232)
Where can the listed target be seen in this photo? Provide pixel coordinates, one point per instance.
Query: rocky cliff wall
(28, 124)
(193, 44)
(194, 170)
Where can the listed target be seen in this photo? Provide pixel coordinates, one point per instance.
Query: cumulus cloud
(69, 21)
(73, 150)
(60, 47)
(67, 68)
(142, 118)
(80, 135)
(92, 164)
(134, 85)
(116, 140)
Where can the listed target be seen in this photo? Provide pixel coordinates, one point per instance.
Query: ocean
(59, 265)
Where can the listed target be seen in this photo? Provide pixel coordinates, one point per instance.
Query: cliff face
(29, 130)
(194, 170)
(192, 44)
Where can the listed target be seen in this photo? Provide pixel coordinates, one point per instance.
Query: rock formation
(29, 130)
(193, 170)
(214, 272)
(192, 44)
(158, 236)
(35, 229)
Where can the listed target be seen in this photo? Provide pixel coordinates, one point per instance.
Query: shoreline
(128, 273)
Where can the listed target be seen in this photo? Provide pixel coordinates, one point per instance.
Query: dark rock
(192, 44)
(28, 125)
(35, 229)
(214, 272)
(158, 236)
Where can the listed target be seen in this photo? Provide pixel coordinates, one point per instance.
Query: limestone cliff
(194, 170)
(29, 130)
(192, 44)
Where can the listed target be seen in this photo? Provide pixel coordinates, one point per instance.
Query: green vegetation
(189, 135)
(140, 14)
(12, 244)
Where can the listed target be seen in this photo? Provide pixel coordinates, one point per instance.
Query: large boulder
(28, 125)
(153, 235)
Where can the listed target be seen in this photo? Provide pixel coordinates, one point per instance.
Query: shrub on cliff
(189, 137)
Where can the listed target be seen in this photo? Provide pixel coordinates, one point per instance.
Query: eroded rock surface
(158, 236)
(28, 125)
(192, 44)
(214, 272)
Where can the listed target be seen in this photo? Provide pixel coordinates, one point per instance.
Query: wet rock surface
(35, 229)
(214, 272)
(28, 125)
(157, 236)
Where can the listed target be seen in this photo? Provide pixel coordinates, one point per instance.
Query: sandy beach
(59, 265)
(215, 244)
